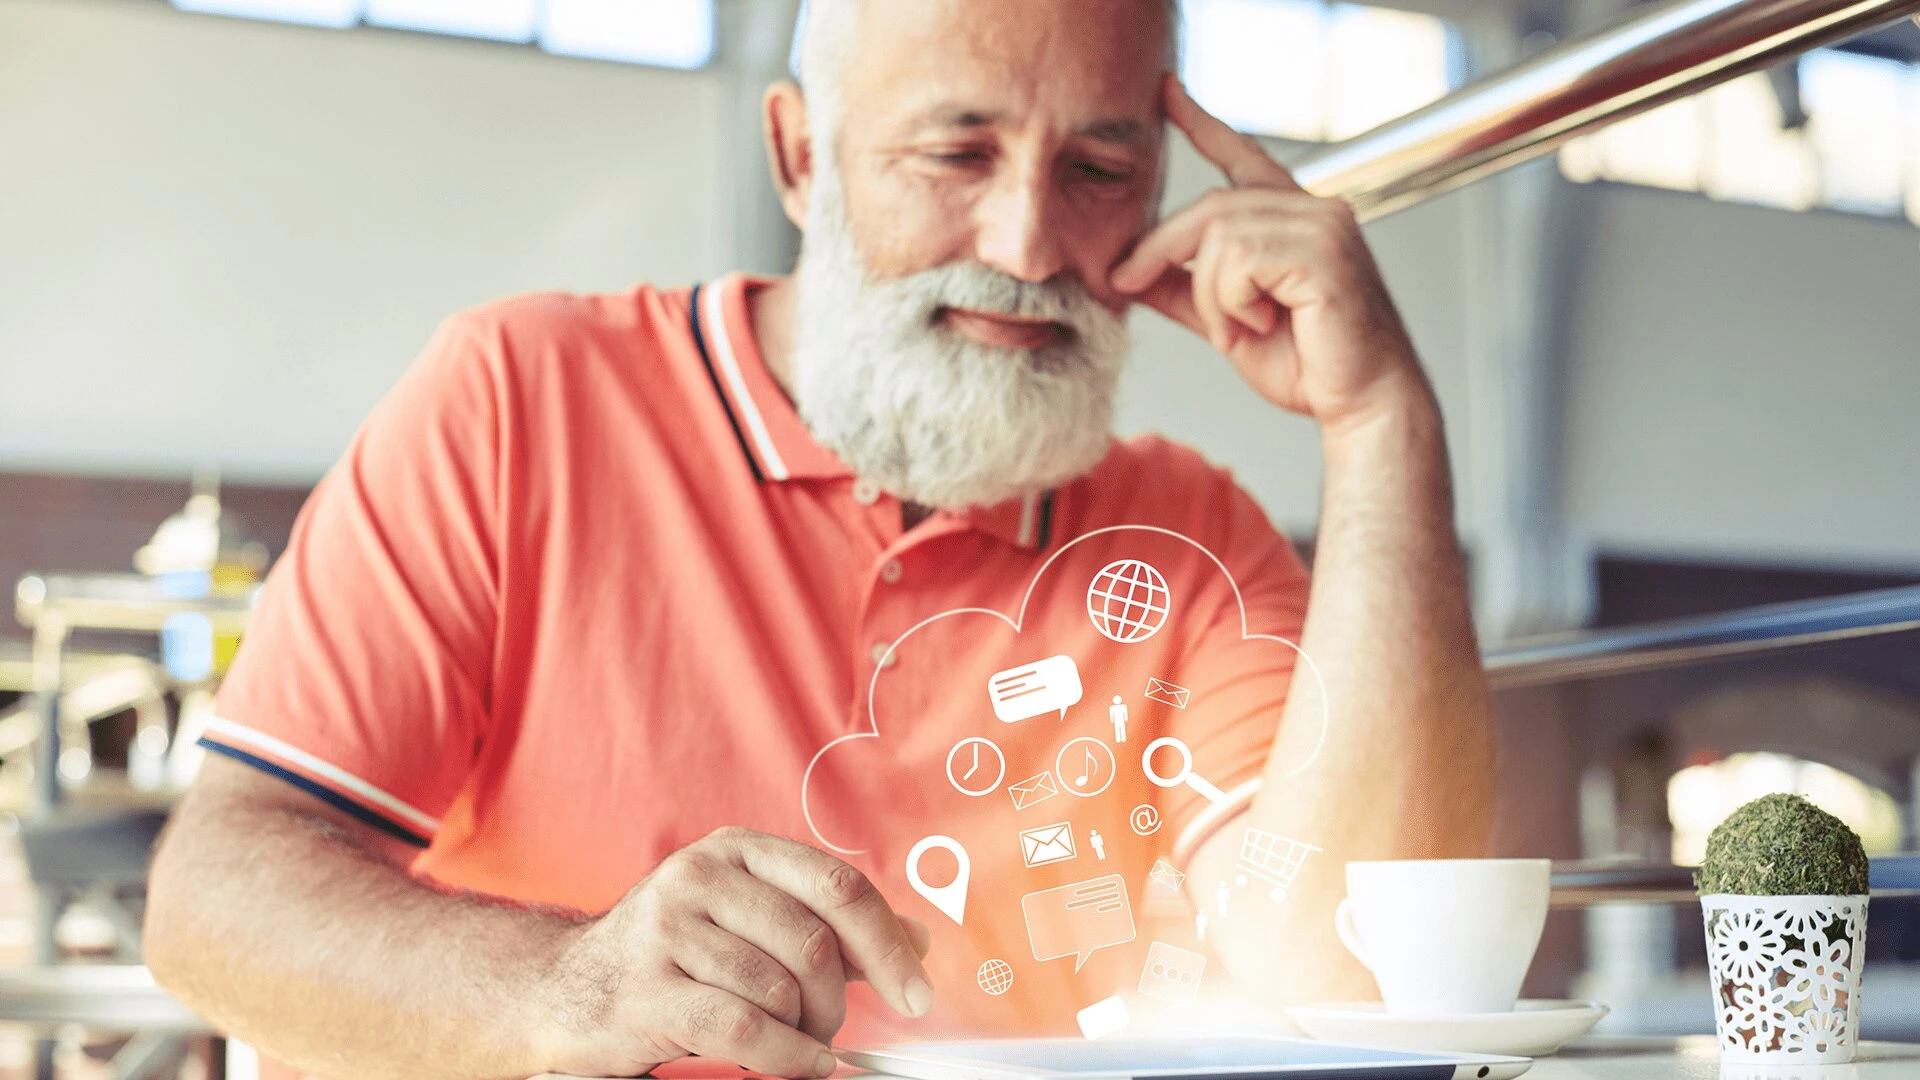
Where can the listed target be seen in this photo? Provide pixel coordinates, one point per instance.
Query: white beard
(931, 416)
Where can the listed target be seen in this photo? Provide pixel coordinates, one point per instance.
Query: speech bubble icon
(950, 898)
(1074, 920)
(1049, 685)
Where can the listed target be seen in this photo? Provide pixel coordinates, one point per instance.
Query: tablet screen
(1137, 1056)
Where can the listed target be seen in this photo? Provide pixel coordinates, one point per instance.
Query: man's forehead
(983, 63)
(953, 112)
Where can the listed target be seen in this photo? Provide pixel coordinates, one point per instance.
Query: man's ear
(789, 147)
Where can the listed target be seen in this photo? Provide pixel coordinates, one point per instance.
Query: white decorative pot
(1786, 975)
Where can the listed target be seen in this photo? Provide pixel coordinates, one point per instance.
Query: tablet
(1243, 1057)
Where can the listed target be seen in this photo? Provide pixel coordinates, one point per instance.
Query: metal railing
(1582, 884)
(1586, 654)
(1590, 654)
(1667, 52)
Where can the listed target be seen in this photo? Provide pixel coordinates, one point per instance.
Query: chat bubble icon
(1050, 685)
(1074, 920)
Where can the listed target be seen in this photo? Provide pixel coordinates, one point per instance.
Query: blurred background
(1677, 359)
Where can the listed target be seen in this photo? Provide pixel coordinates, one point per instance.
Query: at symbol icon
(1145, 819)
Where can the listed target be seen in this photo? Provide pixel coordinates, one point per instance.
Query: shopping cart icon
(1272, 858)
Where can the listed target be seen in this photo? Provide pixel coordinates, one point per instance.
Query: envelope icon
(1032, 790)
(1164, 873)
(1047, 844)
(1163, 691)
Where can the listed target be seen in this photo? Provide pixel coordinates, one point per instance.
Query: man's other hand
(737, 947)
(1278, 279)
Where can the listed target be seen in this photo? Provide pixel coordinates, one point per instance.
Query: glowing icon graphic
(1182, 775)
(995, 977)
(1272, 858)
(1221, 895)
(872, 735)
(1074, 920)
(950, 898)
(1145, 820)
(1128, 601)
(975, 766)
(1167, 693)
(1172, 974)
(1044, 686)
(1099, 844)
(1166, 875)
(1047, 844)
(1085, 766)
(1117, 713)
(1104, 1017)
(1034, 789)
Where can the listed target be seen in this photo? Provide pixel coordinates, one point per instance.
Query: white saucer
(1532, 1029)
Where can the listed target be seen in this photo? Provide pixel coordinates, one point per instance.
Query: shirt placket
(892, 596)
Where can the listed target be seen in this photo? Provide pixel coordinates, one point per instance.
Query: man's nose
(1019, 233)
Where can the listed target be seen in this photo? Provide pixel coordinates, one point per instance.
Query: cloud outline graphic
(1017, 622)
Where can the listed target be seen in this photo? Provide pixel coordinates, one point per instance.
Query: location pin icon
(951, 898)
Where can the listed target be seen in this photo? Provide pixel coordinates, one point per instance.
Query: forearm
(285, 931)
(1405, 767)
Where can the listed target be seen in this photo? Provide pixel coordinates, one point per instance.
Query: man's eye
(1105, 176)
(957, 157)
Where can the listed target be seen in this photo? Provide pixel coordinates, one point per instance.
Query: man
(623, 609)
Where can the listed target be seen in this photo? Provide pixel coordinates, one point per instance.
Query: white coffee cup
(1445, 937)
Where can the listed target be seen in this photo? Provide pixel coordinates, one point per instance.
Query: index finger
(871, 935)
(1239, 156)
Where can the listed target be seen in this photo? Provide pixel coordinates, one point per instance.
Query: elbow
(185, 940)
(165, 931)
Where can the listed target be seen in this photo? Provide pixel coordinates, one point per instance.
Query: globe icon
(996, 977)
(1128, 601)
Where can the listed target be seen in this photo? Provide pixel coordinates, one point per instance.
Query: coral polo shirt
(584, 589)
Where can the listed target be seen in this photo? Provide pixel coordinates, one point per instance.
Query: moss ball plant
(1782, 845)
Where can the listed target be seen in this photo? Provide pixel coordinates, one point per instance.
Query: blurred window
(1383, 64)
(1749, 156)
(501, 20)
(1304, 69)
(1859, 149)
(1911, 133)
(336, 13)
(1855, 105)
(1658, 148)
(1701, 796)
(667, 33)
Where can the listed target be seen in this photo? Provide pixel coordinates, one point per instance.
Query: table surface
(1697, 1057)
(1693, 1057)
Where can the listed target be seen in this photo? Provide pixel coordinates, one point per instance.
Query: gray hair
(824, 36)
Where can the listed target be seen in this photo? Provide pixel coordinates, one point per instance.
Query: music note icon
(1093, 769)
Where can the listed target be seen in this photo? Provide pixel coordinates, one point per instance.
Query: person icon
(1221, 894)
(1099, 844)
(1117, 712)
(1200, 925)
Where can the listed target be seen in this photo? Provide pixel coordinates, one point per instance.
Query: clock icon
(975, 766)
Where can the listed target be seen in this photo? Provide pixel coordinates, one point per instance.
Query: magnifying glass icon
(1182, 775)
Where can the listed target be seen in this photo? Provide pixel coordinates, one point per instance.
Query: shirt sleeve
(363, 676)
(1241, 671)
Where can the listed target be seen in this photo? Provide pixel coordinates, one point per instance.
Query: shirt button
(865, 492)
(882, 657)
(891, 571)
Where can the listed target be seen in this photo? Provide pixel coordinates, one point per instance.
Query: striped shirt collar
(775, 441)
